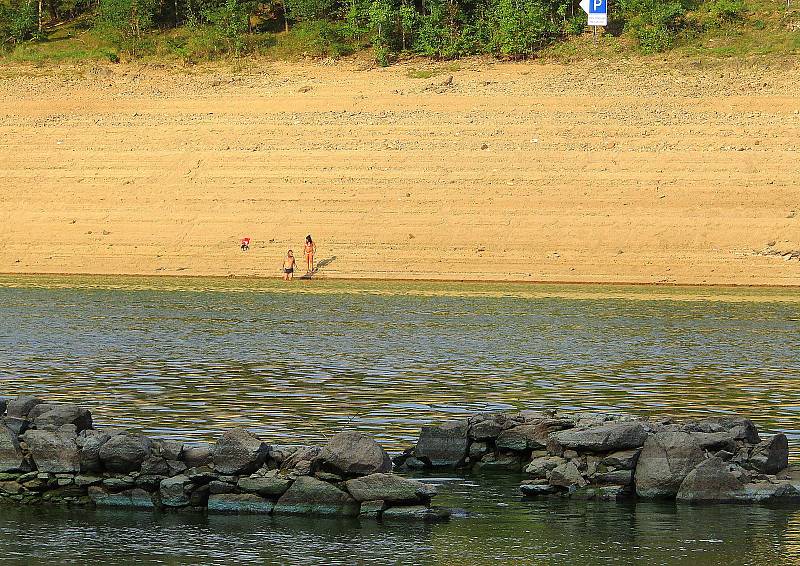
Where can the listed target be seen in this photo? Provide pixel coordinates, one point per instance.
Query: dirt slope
(624, 173)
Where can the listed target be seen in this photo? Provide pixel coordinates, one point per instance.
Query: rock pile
(51, 452)
(603, 456)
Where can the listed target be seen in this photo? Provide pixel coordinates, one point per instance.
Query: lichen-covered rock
(124, 453)
(711, 480)
(53, 451)
(20, 406)
(135, 498)
(12, 458)
(770, 456)
(415, 513)
(566, 475)
(607, 437)
(267, 486)
(175, 491)
(352, 453)
(665, 461)
(55, 415)
(443, 445)
(389, 487)
(242, 503)
(239, 452)
(310, 496)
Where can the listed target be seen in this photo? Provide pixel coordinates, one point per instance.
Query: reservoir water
(188, 358)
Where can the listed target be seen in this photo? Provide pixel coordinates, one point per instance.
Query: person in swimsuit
(288, 266)
(310, 249)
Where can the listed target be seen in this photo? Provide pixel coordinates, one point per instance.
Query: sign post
(597, 12)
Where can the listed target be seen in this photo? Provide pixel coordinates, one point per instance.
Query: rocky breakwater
(614, 457)
(52, 453)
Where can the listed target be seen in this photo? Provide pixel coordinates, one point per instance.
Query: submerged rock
(665, 461)
(415, 513)
(443, 445)
(242, 503)
(353, 453)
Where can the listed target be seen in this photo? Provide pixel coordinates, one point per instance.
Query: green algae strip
(732, 294)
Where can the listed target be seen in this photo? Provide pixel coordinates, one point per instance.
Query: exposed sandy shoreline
(524, 172)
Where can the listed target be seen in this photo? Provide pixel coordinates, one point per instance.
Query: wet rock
(665, 461)
(265, 486)
(770, 456)
(197, 455)
(371, 509)
(711, 480)
(443, 445)
(509, 461)
(353, 453)
(87, 480)
(607, 437)
(541, 467)
(566, 475)
(53, 452)
(310, 496)
(54, 415)
(239, 452)
(623, 459)
(12, 458)
(241, 503)
(11, 487)
(175, 491)
(20, 406)
(415, 513)
(477, 450)
(538, 490)
(118, 483)
(217, 487)
(716, 441)
(124, 453)
(201, 474)
(89, 443)
(769, 492)
(135, 498)
(389, 487)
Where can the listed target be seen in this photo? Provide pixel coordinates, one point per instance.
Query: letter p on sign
(597, 12)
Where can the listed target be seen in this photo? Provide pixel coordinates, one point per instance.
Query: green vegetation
(199, 30)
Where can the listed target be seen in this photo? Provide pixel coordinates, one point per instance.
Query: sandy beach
(671, 173)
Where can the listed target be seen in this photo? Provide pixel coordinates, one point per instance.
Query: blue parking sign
(597, 11)
(597, 6)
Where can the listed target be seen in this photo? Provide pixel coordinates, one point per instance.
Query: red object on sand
(245, 244)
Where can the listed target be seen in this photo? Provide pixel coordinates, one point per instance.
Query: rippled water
(189, 358)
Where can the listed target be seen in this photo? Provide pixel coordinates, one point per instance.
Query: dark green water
(188, 359)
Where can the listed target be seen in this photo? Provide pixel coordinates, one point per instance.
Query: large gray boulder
(53, 451)
(238, 451)
(389, 487)
(607, 437)
(124, 453)
(12, 459)
(175, 491)
(524, 437)
(665, 461)
(310, 496)
(443, 445)
(566, 475)
(770, 456)
(352, 453)
(89, 444)
(197, 455)
(711, 480)
(488, 426)
(20, 406)
(52, 416)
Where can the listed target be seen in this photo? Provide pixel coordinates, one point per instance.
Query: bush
(19, 21)
(520, 27)
(124, 23)
(723, 12)
(653, 23)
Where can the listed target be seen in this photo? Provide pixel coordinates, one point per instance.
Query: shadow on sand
(320, 265)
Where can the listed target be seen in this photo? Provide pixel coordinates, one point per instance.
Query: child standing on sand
(288, 266)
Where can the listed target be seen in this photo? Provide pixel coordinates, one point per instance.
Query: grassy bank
(715, 28)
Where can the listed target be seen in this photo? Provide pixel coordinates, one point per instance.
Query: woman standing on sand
(310, 249)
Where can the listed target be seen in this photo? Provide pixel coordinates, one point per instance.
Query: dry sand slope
(511, 171)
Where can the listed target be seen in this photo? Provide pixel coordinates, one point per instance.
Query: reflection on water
(189, 364)
(189, 358)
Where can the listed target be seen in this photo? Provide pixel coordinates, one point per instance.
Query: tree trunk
(40, 16)
(285, 17)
